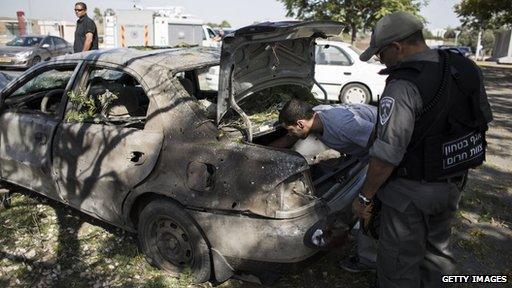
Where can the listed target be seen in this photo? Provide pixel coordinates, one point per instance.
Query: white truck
(162, 27)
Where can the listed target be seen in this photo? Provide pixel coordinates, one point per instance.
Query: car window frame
(26, 77)
(90, 65)
(341, 50)
(52, 44)
(57, 41)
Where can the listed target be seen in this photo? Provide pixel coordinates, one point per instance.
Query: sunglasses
(79, 10)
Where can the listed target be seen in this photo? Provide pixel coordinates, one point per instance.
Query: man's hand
(362, 210)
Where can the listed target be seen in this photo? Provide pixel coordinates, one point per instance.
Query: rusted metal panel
(96, 165)
(25, 141)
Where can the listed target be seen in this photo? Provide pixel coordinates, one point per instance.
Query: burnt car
(27, 51)
(135, 139)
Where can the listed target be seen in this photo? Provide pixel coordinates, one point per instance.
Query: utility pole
(478, 44)
(29, 23)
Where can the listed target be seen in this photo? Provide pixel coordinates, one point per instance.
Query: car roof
(174, 59)
(32, 36)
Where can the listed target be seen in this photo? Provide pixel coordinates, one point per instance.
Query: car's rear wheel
(35, 60)
(5, 198)
(171, 241)
(355, 93)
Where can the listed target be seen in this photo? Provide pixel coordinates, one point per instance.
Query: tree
(225, 24)
(449, 34)
(356, 14)
(481, 14)
(427, 34)
(97, 15)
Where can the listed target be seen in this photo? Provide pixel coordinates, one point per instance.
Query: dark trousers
(413, 247)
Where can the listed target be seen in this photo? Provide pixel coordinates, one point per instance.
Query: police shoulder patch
(385, 109)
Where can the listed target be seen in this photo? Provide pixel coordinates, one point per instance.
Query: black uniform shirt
(85, 25)
(400, 102)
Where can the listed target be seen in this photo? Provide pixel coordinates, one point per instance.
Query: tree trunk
(353, 28)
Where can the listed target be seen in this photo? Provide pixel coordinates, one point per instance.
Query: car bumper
(248, 238)
(15, 63)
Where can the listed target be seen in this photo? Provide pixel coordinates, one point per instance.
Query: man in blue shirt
(344, 128)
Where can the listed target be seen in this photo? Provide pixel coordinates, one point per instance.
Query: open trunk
(329, 169)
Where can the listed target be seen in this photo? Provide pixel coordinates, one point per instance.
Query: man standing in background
(86, 34)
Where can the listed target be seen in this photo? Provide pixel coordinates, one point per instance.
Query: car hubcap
(173, 243)
(355, 95)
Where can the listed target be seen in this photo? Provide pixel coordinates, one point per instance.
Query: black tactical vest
(449, 132)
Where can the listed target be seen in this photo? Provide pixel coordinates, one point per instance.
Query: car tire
(355, 93)
(5, 200)
(35, 60)
(171, 241)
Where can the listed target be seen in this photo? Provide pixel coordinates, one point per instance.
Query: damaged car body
(135, 139)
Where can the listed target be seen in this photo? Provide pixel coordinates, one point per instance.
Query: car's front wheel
(35, 60)
(171, 241)
(355, 93)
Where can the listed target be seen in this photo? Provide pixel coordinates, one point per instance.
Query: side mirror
(45, 45)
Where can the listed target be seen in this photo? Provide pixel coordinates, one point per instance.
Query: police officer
(431, 128)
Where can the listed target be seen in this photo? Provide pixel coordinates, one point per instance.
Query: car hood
(268, 54)
(14, 49)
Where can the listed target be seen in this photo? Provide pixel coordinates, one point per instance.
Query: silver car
(128, 137)
(26, 51)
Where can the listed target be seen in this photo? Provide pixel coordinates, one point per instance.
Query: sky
(438, 13)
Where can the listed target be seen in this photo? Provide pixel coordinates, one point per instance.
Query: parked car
(344, 77)
(26, 51)
(339, 71)
(463, 50)
(130, 138)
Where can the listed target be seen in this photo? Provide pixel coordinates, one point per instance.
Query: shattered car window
(110, 97)
(51, 79)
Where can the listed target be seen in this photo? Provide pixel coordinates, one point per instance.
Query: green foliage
(85, 108)
(98, 17)
(427, 34)
(480, 14)
(469, 38)
(223, 24)
(356, 14)
(449, 34)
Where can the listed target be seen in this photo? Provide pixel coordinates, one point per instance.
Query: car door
(31, 110)
(60, 46)
(103, 149)
(333, 70)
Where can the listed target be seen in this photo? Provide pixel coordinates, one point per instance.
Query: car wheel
(5, 200)
(35, 60)
(355, 94)
(171, 241)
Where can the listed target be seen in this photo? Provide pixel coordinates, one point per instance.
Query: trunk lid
(268, 54)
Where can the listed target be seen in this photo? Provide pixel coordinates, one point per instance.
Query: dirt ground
(44, 244)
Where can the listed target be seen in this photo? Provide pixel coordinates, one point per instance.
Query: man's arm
(88, 41)
(396, 121)
(378, 172)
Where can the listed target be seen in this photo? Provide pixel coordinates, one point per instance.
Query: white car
(344, 77)
(339, 71)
